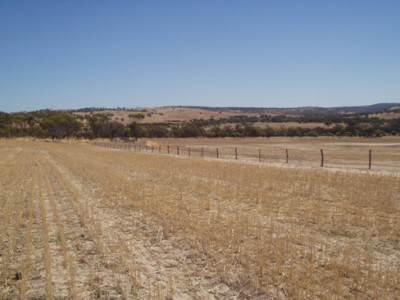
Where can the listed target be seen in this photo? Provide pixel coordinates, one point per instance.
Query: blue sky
(72, 54)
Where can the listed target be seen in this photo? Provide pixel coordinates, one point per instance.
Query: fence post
(370, 160)
(152, 149)
(201, 151)
(235, 152)
(189, 151)
(168, 148)
(322, 157)
(287, 156)
(217, 153)
(177, 150)
(259, 154)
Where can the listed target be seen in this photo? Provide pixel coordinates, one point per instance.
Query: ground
(86, 222)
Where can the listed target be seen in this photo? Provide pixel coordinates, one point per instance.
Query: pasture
(85, 222)
(342, 152)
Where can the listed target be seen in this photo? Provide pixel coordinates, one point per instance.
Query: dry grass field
(85, 222)
(170, 114)
(342, 152)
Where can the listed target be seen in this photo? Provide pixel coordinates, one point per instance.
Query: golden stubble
(264, 231)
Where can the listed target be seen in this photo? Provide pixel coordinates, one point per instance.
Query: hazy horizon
(196, 106)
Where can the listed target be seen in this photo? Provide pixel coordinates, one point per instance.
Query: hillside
(171, 114)
(190, 121)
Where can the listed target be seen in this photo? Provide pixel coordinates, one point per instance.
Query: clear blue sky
(72, 54)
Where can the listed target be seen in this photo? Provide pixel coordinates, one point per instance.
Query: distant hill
(374, 108)
(193, 121)
(305, 110)
(172, 114)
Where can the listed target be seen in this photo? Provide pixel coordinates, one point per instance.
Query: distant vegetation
(66, 124)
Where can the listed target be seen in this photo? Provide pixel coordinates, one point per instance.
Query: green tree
(138, 116)
(5, 124)
(60, 125)
(137, 130)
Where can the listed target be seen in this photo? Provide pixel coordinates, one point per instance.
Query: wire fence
(377, 159)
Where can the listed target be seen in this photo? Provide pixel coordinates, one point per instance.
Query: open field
(185, 114)
(170, 114)
(344, 152)
(85, 222)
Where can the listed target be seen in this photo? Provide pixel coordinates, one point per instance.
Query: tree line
(64, 124)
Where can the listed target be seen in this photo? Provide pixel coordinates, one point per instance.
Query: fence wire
(376, 159)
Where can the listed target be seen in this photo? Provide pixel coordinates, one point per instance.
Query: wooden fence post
(287, 156)
(189, 151)
(235, 152)
(168, 148)
(217, 153)
(177, 150)
(259, 154)
(370, 160)
(322, 157)
(202, 152)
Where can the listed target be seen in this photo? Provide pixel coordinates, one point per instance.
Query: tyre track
(158, 268)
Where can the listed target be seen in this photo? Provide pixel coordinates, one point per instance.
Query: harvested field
(348, 153)
(85, 222)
